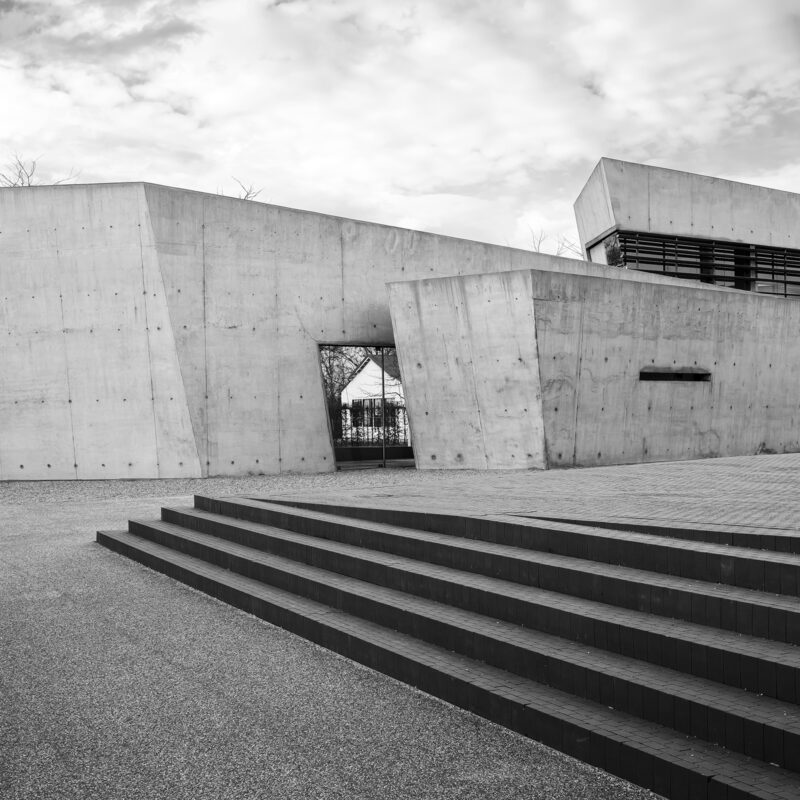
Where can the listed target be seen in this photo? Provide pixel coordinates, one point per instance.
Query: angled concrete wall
(543, 369)
(91, 385)
(156, 332)
(468, 357)
(620, 195)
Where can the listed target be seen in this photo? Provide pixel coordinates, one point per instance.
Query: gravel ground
(117, 682)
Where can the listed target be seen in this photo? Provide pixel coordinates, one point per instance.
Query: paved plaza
(117, 682)
(755, 491)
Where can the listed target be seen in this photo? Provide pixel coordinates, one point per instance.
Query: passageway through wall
(366, 406)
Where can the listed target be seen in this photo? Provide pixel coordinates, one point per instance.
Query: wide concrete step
(757, 726)
(758, 538)
(647, 753)
(744, 611)
(744, 567)
(764, 667)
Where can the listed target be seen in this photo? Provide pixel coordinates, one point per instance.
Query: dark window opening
(750, 267)
(671, 374)
(369, 413)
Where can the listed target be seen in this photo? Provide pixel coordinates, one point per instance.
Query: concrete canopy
(621, 195)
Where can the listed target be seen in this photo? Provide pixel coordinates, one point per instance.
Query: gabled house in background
(366, 384)
(363, 403)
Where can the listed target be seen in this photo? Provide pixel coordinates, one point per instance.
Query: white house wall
(370, 383)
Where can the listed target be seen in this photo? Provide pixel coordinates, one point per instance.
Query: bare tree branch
(569, 249)
(564, 246)
(338, 365)
(248, 192)
(538, 238)
(71, 177)
(19, 172)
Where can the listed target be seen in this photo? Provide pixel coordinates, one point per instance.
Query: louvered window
(755, 268)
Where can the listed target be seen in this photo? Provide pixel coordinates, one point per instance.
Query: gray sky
(474, 118)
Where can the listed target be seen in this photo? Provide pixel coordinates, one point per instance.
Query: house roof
(390, 364)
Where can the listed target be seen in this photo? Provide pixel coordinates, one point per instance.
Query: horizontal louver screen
(769, 270)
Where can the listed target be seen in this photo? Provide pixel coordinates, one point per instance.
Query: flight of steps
(667, 657)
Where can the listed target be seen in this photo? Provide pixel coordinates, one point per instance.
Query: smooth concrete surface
(91, 385)
(620, 195)
(542, 368)
(595, 337)
(117, 683)
(156, 332)
(468, 356)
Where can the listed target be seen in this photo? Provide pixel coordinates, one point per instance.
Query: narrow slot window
(674, 374)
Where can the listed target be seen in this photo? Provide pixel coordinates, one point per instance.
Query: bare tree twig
(538, 238)
(564, 247)
(71, 177)
(248, 192)
(19, 172)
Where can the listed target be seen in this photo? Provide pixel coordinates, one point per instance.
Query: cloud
(687, 74)
(469, 118)
(79, 32)
(154, 35)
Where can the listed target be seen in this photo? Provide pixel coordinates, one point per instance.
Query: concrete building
(156, 332)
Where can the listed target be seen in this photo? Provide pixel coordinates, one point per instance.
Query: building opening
(366, 406)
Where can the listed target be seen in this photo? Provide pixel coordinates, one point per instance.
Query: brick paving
(746, 492)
